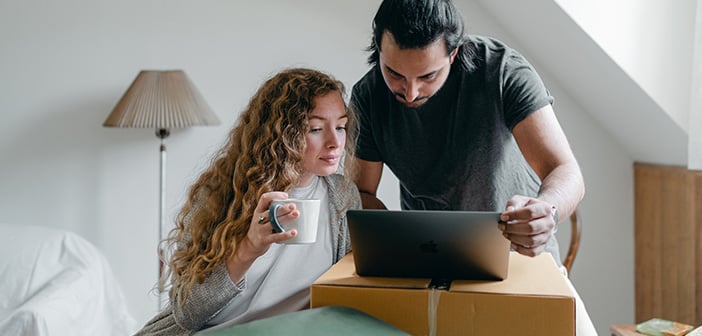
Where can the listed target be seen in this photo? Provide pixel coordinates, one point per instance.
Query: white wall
(64, 66)
(652, 40)
(694, 160)
(657, 43)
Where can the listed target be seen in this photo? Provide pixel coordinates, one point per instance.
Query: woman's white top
(279, 281)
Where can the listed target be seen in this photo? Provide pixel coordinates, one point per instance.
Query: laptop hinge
(439, 283)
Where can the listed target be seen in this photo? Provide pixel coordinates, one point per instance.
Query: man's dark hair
(417, 23)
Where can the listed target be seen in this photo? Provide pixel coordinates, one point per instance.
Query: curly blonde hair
(263, 153)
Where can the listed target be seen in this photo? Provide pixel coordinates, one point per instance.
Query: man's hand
(367, 180)
(528, 224)
(371, 202)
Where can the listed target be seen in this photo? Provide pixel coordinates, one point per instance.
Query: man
(465, 123)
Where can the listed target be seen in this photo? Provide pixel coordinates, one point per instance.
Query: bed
(54, 282)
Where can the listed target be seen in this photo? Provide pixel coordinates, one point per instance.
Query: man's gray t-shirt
(456, 151)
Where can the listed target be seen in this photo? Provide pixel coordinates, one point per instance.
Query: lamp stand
(161, 100)
(162, 134)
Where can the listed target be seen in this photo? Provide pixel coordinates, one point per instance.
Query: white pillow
(55, 282)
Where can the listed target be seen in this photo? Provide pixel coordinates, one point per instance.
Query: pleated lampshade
(161, 100)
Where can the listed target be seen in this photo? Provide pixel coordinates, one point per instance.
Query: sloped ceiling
(593, 79)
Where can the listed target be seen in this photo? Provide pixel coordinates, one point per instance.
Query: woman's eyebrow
(322, 118)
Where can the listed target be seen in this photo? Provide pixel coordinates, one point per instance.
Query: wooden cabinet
(668, 243)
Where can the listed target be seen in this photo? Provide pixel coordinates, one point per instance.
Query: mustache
(402, 96)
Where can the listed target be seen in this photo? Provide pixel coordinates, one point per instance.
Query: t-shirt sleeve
(366, 147)
(523, 91)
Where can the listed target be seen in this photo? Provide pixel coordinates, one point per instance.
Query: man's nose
(411, 91)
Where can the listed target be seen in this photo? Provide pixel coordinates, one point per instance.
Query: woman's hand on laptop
(528, 223)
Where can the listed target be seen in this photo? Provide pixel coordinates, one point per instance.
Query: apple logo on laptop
(429, 247)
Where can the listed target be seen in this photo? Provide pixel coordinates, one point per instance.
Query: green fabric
(332, 320)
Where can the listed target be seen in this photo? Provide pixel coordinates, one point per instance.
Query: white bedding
(54, 282)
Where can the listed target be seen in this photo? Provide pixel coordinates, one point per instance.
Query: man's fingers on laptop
(527, 241)
(528, 212)
(520, 227)
(528, 251)
(528, 227)
(517, 202)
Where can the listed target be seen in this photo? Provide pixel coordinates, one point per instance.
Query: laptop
(446, 245)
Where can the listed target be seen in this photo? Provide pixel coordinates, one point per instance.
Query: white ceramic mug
(305, 224)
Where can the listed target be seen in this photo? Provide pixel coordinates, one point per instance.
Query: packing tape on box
(433, 306)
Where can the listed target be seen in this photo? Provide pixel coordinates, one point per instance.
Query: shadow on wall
(52, 169)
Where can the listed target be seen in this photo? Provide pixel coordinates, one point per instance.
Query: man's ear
(452, 55)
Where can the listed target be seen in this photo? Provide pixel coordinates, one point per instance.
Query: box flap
(527, 276)
(343, 273)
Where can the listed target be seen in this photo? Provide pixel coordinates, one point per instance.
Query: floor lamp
(161, 100)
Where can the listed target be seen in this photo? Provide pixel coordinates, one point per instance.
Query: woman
(225, 268)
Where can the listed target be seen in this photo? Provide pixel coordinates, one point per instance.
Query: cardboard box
(534, 300)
